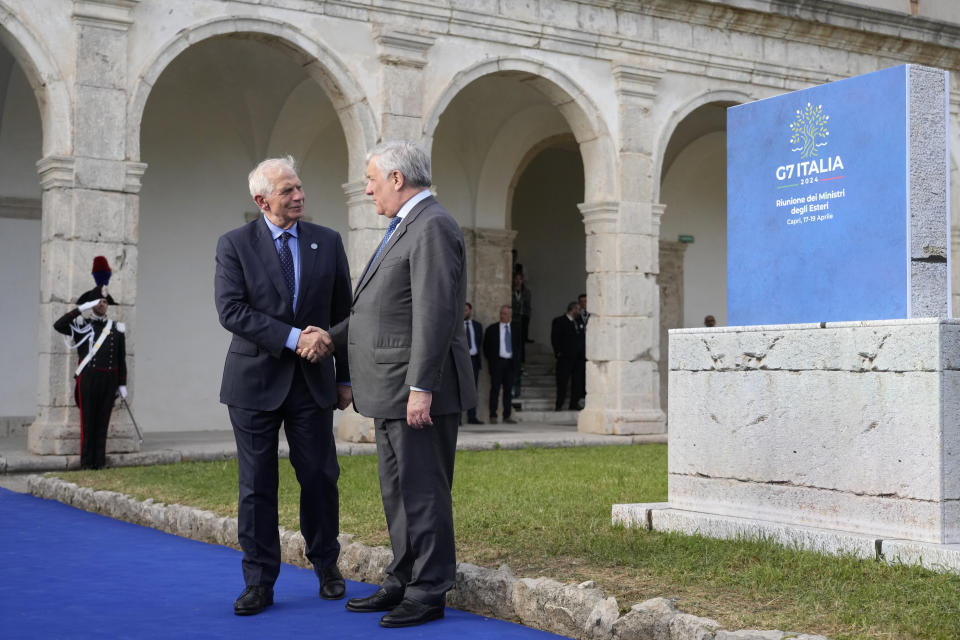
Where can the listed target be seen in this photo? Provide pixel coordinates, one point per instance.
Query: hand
(122, 390)
(89, 305)
(314, 344)
(344, 396)
(418, 409)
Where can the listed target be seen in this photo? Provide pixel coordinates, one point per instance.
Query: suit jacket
(254, 305)
(564, 337)
(491, 343)
(478, 337)
(406, 325)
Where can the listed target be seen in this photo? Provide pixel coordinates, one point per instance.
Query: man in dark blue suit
(278, 280)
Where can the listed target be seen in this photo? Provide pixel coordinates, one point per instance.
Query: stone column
(366, 232)
(402, 58)
(623, 386)
(90, 207)
(670, 281)
(489, 269)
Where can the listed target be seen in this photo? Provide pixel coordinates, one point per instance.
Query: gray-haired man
(411, 372)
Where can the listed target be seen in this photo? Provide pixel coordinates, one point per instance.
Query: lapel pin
(313, 245)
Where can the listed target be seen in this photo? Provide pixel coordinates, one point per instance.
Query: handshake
(314, 344)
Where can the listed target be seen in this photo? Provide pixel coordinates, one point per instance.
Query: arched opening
(21, 146)
(693, 230)
(215, 111)
(545, 197)
(509, 165)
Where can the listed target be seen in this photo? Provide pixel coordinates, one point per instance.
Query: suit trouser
(565, 368)
(96, 391)
(416, 476)
(313, 454)
(501, 377)
(475, 360)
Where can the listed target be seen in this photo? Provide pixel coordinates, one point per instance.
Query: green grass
(547, 512)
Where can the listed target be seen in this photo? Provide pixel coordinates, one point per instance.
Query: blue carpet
(67, 573)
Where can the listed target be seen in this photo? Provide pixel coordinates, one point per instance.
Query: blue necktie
(386, 238)
(508, 339)
(286, 263)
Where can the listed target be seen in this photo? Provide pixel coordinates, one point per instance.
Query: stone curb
(578, 611)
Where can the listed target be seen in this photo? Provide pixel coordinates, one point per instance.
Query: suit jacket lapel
(266, 250)
(308, 261)
(394, 239)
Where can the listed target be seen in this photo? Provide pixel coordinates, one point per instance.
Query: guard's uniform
(96, 386)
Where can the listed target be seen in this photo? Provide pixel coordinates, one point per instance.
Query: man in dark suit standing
(501, 348)
(279, 281)
(412, 374)
(566, 336)
(474, 332)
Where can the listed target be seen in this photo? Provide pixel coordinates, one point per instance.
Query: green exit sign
(685, 239)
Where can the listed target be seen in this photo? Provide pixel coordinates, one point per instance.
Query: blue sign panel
(817, 214)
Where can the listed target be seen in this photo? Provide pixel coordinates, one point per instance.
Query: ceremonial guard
(102, 370)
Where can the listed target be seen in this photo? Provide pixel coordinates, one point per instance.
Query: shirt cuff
(413, 388)
(292, 339)
(345, 384)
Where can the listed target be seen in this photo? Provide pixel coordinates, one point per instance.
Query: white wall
(694, 190)
(246, 101)
(20, 148)
(19, 313)
(550, 237)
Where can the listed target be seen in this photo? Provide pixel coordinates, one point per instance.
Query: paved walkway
(177, 446)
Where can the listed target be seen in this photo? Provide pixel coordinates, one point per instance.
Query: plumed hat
(94, 294)
(101, 271)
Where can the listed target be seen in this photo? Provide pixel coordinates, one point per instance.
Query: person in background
(566, 337)
(101, 372)
(500, 347)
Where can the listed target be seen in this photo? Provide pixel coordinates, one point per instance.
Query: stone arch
(318, 60)
(579, 110)
(558, 139)
(508, 156)
(677, 116)
(53, 99)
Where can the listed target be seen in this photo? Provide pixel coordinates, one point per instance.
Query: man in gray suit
(411, 372)
(280, 281)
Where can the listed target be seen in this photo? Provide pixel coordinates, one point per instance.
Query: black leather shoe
(381, 600)
(410, 613)
(332, 585)
(253, 600)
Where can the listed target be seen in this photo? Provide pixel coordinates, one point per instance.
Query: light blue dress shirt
(294, 336)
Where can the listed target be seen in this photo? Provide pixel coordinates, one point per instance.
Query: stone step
(534, 404)
(537, 370)
(547, 416)
(539, 380)
(536, 393)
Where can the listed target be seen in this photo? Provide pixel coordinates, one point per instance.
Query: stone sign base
(841, 431)
(56, 431)
(658, 516)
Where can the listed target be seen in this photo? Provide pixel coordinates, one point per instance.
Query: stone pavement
(177, 446)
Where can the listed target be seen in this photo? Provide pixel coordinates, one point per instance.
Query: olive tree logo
(810, 126)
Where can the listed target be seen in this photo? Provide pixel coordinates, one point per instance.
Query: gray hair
(260, 184)
(406, 157)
